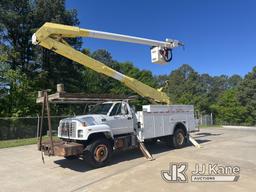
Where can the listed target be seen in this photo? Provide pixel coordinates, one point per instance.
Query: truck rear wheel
(178, 139)
(98, 152)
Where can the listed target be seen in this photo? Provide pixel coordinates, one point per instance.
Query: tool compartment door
(160, 120)
(154, 125)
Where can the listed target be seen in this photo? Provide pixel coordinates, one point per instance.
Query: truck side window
(116, 110)
(126, 112)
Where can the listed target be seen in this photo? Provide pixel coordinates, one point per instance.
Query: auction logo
(176, 173)
(201, 173)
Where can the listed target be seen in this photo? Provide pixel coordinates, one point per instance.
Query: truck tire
(178, 139)
(98, 152)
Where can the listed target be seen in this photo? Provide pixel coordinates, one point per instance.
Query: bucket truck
(114, 125)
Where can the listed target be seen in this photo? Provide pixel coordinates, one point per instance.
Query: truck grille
(68, 129)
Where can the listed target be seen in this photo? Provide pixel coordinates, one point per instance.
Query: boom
(51, 35)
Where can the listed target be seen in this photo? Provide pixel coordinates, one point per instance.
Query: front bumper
(62, 148)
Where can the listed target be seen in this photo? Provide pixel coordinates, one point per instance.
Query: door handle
(129, 118)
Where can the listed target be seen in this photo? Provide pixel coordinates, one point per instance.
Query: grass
(209, 126)
(20, 142)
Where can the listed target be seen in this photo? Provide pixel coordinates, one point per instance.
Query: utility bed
(160, 120)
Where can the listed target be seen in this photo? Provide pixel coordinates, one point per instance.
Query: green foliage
(183, 80)
(230, 99)
(56, 68)
(25, 68)
(97, 83)
(186, 86)
(22, 142)
(19, 19)
(228, 110)
(17, 142)
(35, 68)
(247, 96)
(16, 17)
(21, 98)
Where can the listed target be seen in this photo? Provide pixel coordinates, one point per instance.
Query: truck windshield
(102, 108)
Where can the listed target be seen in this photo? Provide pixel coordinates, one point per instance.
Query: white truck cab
(110, 118)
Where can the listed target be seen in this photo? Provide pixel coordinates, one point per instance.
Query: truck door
(120, 119)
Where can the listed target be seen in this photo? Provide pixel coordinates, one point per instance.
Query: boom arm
(51, 36)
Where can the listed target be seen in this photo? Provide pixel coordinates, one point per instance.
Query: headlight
(80, 133)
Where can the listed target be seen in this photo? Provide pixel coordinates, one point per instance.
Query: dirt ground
(21, 168)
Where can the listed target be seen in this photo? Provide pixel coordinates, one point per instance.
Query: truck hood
(89, 119)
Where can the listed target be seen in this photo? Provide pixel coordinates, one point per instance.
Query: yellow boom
(51, 35)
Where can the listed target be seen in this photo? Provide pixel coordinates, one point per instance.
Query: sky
(219, 35)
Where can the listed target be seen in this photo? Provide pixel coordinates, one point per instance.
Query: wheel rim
(180, 138)
(101, 153)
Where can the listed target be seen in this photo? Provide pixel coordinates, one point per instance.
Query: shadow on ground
(205, 134)
(121, 156)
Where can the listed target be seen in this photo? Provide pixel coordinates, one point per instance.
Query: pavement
(22, 169)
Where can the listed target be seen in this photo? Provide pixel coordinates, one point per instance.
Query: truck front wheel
(98, 152)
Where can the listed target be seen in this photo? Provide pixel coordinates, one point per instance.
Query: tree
(184, 86)
(247, 96)
(25, 68)
(228, 110)
(19, 19)
(21, 100)
(16, 18)
(57, 68)
(99, 83)
(234, 81)
(161, 81)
